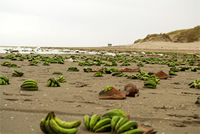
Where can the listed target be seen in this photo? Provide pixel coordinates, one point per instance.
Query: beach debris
(52, 82)
(95, 70)
(131, 90)
(52, 124)
(29, 85)
(111, 93)
(130, 70)
(162, 75)
(4, 80)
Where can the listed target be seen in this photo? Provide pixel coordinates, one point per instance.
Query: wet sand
(169, 108)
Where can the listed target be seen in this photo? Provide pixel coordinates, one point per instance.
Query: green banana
(57, 83)
(127, 126)
(104, 128)
(101, 123)
(86, 121)
(52, 84)
(94, 119)
(59, 130)
(42, 125)
(1, 82)
(49, 83)
(30, 80)
(133, 131)
(65, 124)
(114, 121)
(47, 125)
(114, 112)
(121, 122)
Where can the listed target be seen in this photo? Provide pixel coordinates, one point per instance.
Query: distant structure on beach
(109, 45)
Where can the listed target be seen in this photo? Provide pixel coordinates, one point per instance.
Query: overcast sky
(91, 22)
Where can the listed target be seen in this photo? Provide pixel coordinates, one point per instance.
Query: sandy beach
(169, 108)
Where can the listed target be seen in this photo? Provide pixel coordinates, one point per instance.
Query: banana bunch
(17, 74)
(150, 84)
(123, 125)
(53, 83)
(53, 125)
(4, 80)
(29, 85)
(61, 79)
(96, 124)
(195, 84)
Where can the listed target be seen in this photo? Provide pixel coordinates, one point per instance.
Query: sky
(91, 23)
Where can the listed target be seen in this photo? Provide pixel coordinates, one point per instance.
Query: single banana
(120, 123)
(101, 123)
(94, 119)
(42, 125)
(65, 124)
(1, 82)
(127, 126)
(86, 121)
(47, 125)
(104, 128)
(30, 80)
(60, 130)
(52, 84)
(114, 112)
(114, 121)
(49, 83)
(133, 131)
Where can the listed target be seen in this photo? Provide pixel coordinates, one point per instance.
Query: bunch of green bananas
(124, 126)
(61, 79)
(53, 125)
(4, 80)
(172, 73)
(52, 82)
(150, 84)
(195, 84)
(17, 74)
(6, 63)
(57, 72)
(96, 124)
(29, 85)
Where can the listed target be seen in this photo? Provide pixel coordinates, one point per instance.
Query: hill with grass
(179, 36)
